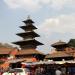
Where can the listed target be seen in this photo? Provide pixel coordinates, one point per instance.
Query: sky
(55, 20)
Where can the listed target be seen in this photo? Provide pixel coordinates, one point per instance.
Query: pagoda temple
(28, 36)
(62, 51)
(29, 44)
(60, 45)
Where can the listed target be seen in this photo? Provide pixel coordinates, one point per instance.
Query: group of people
(51, 70)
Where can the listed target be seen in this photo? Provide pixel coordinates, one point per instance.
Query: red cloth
(34, 59)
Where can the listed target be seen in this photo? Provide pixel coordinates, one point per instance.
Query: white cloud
(44, 1)
(56, 28)
(59, 24)
(58, 4)
(36, 4)
(26, 4)
(61, 4)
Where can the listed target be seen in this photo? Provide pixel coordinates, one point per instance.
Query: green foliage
(72, 43)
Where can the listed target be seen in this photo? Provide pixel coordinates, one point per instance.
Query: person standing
(58, 72)
(63, 70)
(38, 71)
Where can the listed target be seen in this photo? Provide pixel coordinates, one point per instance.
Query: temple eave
(28, 21)
(63, 45)
(27, 42)
(28, 27)
(28, 34)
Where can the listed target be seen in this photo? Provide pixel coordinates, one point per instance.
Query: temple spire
(28, 17)
(28, 36)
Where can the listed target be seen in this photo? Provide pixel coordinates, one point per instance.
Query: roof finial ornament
(60, 41)
(28, 17)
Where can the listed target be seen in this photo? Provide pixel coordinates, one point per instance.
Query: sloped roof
(4, 50)
(20, 52)
(58, 54)
(28, 21)
(16, 60)
(27, 42)
(25, 34)
(59, 43)
(28, 51)
(28, 27)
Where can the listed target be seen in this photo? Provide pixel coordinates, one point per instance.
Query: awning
(15, 60)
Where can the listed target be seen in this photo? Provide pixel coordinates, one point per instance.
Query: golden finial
(60, 41)
(28, 17)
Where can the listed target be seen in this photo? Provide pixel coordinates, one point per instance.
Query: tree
(71, 43)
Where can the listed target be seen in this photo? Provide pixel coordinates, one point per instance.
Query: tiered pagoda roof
(29, 41)
(28, 27)
(28, 34)
(59, 56)
(60, 45)
(29, 51)
(61, 52)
